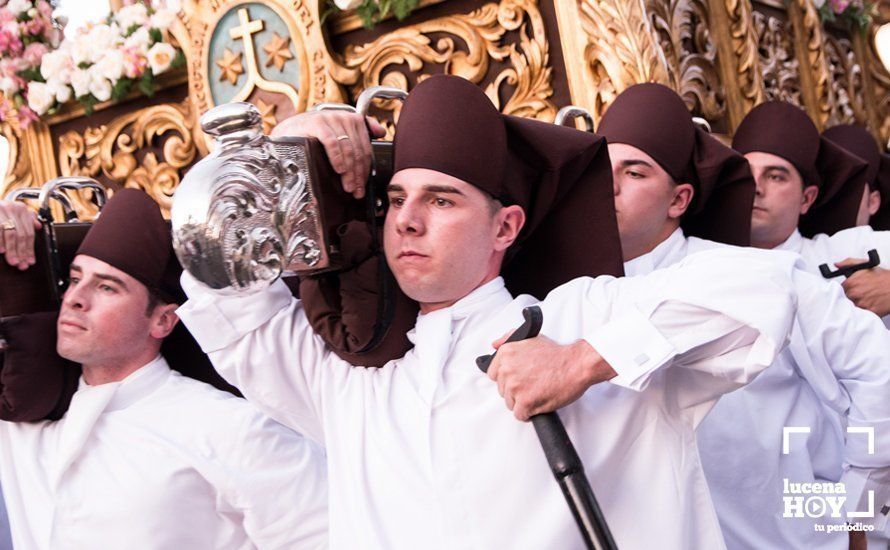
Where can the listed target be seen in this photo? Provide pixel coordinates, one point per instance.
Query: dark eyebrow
(396, 188)
(102, 277)
(113, 279)
(633, 162)
(777, 169)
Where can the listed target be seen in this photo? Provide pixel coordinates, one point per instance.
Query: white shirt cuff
(633, 347)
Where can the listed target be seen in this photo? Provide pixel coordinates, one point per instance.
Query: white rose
(61, 90)
(40, 97)
(81, 52)
(818, 3)
(134, 14)
(100, 88)
(110, 66)
(80, 81)
(57, 65)
(162, 19)
(348, 4)
(139, 40)
(101, 39)
(8, 86)
(18, 6)
(160, 56)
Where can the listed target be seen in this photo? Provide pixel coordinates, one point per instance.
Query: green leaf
(178, 60)
(84, 65)
(147, 83)
(88, 102)
(121, 88)
(131, 29)
(155, 35)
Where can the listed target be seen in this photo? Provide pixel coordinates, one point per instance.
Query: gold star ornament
(267, 114)
(278, 50)
(230, 66)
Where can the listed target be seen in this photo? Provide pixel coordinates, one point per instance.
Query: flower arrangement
(101, 61)
(855, 13)
(28, 32)
(372, 12)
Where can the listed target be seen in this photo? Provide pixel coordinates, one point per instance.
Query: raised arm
(716, 319)
(262, 344)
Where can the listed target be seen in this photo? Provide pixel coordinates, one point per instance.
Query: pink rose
(45, 9)
(6, 16)
(34, 53)
(35, 27)
(838, 6)
(134, 62)
(9, 44)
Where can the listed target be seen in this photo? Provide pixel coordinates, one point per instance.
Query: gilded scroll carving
(466, 45)
(880, 81)
(18, 171)
(847, 82)
(778, 64)
(117, 151)
(815, 55)
(744, 38)
(682, 30)
(621, 48)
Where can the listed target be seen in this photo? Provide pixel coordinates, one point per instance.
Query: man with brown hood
(809, 191)
(422, 452)
(144, 457)
(679, 191)
(868, 288)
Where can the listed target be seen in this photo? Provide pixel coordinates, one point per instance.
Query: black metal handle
(874, 260)
(534, 320)
(565, 464)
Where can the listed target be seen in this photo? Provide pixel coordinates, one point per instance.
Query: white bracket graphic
(787, 431)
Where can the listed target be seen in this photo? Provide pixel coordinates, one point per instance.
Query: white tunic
(838, 357)
(849, 243)
(423, 452)
(160, 461)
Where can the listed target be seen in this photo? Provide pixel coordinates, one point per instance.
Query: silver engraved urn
(251, 209)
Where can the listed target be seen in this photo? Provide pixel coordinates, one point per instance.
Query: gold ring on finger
(8, 225)
(343, 137)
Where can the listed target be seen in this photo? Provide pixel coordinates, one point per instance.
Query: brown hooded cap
(654, 119)
(861, 143)
(784, 130)
(560, 176)
(131, 235)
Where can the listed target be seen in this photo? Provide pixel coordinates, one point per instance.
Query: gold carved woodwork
(684, 34)
(111, 150)
(621, 49)
(814, 78)
(847, 82)
(778, 63)
(740, 57)
(466, 45)
(880, 90)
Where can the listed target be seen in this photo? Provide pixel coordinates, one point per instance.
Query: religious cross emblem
(256, 54)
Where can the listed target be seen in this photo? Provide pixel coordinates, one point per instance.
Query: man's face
(103, 320)
(647, 201)
(780, 200)
(441, 236)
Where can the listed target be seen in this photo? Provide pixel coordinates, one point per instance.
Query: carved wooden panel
(847, 82)
(880, 82)
(778, 62)
(684, 35)
(502, 46)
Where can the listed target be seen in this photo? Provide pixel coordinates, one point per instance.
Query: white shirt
(837, 358)
(160, 461)
(849, 243)
(423, 453)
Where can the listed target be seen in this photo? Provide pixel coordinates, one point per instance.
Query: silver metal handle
(33, 193)
(233, 122)
(332, 106)
(368, 96)
(570, 112)
(52, 190)
(702, 123)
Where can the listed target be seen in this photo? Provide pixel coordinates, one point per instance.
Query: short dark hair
(154, 300)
